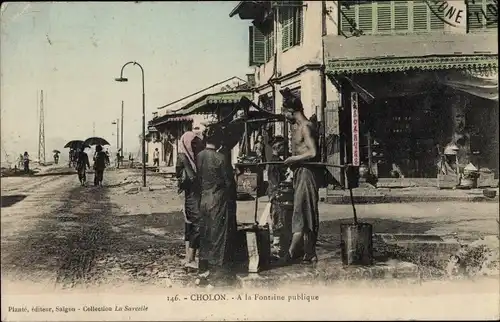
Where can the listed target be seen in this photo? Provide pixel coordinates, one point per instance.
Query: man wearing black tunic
(305, 220)
(217, 210)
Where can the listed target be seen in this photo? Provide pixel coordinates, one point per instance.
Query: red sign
(355, 128)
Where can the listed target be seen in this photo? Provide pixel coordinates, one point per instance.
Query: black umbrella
(75, 144)
(56, 151)
(96, 141)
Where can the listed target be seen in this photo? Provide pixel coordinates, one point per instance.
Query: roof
(403, 52)
(250, 9)
(201, 91)
(231, 97)
(170, 119)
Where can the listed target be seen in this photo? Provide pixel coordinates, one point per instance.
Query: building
(412, 76)
(197, 109)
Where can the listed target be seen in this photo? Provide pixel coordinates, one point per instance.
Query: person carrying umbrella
(82, 163)
(100, 162)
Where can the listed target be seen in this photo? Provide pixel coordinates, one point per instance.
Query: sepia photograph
(249, 160)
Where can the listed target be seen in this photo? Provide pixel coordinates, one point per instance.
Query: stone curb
(405, 199)
(401, 270)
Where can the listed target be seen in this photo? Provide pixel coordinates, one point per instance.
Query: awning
(375, 54)
(483, 85)
(170, 119)
(207, 103)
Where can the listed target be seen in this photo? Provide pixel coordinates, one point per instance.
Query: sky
(74, 51)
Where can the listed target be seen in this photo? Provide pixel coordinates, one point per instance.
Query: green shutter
(298, 27)
(347, 11)
(365, 17)
(269, 45)
(257, 46)
(436, 17)
(491, 9)
(401, 18)
(420, 12)
(384, 17)
(286, 28)
(476, 18)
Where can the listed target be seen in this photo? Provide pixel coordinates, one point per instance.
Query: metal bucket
(356, 244)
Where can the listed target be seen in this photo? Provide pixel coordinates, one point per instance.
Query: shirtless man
(305, 218)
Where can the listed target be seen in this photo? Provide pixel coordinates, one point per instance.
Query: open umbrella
(56, 151)
(75, 144)
(96, 141)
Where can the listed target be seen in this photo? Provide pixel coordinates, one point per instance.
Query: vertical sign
(355, 128)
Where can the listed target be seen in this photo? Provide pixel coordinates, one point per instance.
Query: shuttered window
(257, 46)
(384, 17)
(292, 24)
(388, 17)
(401, 17)
(482, 14)
(269, 43)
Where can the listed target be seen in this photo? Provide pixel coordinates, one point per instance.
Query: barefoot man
(305, 219)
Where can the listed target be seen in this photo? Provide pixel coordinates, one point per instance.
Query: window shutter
(287, 28)
(269, 45)
(437, 17)
(298, 26)
(420, 11)
(475, 15)
(384, 17)
(365, 17)
(401, 19)
(257, 46)
(349, 12)
(491, 9)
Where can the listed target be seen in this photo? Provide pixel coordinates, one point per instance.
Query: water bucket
(356, 244)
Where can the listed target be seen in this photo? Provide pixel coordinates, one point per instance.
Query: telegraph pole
(121, 136)
(41, 132)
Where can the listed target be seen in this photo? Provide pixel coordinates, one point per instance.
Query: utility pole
(121, 136)
(41, 132)
(117, 123)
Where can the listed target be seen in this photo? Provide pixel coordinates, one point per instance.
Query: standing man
(156, 158)
(305, 220)
(100, 163)
(82, 163)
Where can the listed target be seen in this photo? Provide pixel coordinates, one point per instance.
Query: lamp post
(117, 123)
(123, 79)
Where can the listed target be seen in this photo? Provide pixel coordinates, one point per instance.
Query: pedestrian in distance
(26, 162)
(82, 163)
(100, 163)
(186, 171)
(156, 158)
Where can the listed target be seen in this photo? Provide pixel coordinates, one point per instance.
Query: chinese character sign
(355, 128)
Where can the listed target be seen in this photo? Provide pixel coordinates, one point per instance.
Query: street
(55, 231)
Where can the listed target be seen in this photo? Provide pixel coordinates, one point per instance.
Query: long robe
(191, 201)
(217, 209)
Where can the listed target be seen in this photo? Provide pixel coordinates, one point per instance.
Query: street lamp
(117, 123)
(123, 79)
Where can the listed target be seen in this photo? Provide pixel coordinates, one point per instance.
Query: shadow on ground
(7, 201)
(83, 241)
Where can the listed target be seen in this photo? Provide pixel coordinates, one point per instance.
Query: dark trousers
(82, 175)
(156, 162)
(98, 176)
(26, 167)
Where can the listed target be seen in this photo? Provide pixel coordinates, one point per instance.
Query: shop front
(400, 116)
